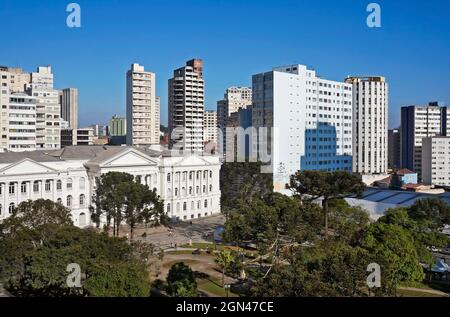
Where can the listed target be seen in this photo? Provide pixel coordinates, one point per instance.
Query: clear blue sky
(235, 38)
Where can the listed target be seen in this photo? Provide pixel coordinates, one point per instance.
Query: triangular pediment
(26, 166)
(192, 161)
(129, 158)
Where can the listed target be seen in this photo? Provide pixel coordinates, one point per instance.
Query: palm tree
(224, 259)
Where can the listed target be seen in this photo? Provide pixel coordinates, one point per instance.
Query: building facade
(436, 161)
(309, 121)
(187, 107)
(48, 109)
(210, 127)
(235, 98)
(370, 124)
(418, 122)
(394, 149)
(68, 99)
(189, 185)
(142, 104)
(47, 117)
(118, 126)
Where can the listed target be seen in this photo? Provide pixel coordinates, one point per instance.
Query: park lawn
(213, 287)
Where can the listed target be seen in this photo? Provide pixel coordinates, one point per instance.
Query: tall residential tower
(187, 107)
(370, 125)
(310, 118)
(142, 107)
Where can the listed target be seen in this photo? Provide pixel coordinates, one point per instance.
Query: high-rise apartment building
(394, 149)
(142, 104)
(418, 122)
(210, 127)
(370, 124)
(235, 98)
(38, 85)
(436, 160)
(118, 126)
(68, 99)
(22, 123)
(48, 109)
(186, 107)
(309, 117)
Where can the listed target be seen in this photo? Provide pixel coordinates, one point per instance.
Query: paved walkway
(423, 290)
(200, 231)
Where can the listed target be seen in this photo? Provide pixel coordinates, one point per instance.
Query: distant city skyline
(235, 40)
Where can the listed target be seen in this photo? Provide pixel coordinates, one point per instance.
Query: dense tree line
(39, 241)
(324, 250)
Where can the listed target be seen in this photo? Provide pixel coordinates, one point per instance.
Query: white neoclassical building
(189, 185)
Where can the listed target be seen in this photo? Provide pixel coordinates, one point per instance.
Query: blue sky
(235, 38)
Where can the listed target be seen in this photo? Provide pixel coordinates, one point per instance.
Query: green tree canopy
(181, 281)
(312, 185)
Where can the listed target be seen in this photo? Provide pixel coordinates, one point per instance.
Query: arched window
(69, 201)
(168, 177)
(176, 192)
(204, 189)
(82, 200)
(198, 204)
(206, 203)
(190, 190)
(11, 208)
(168, 208)
(169, 192)
(59, 201)
(69, 184)
(36, 186)
(183, 191)
(58, 185)
(184, 206)
(210, 188)
(82, 183)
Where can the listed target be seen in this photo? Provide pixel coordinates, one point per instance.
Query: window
(176, 192)
(192, 205)
(206, 203)
(1, 209)
(82, 183)
(23, 188)
(59, 201)
(58, 185)
(69, 201)
(82, 200)
(190, 190)
(197, 190)
(210, 174)
(204, 189)
(168, 177)
(168, 207)
(12, 188)
(48, 185)
(69, 184)
(210, 188)
(11, 208)
(36, 186)
(184, 206)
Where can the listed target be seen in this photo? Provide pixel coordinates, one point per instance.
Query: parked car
(196, 252)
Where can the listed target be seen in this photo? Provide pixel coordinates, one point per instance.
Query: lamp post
(227, 288)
